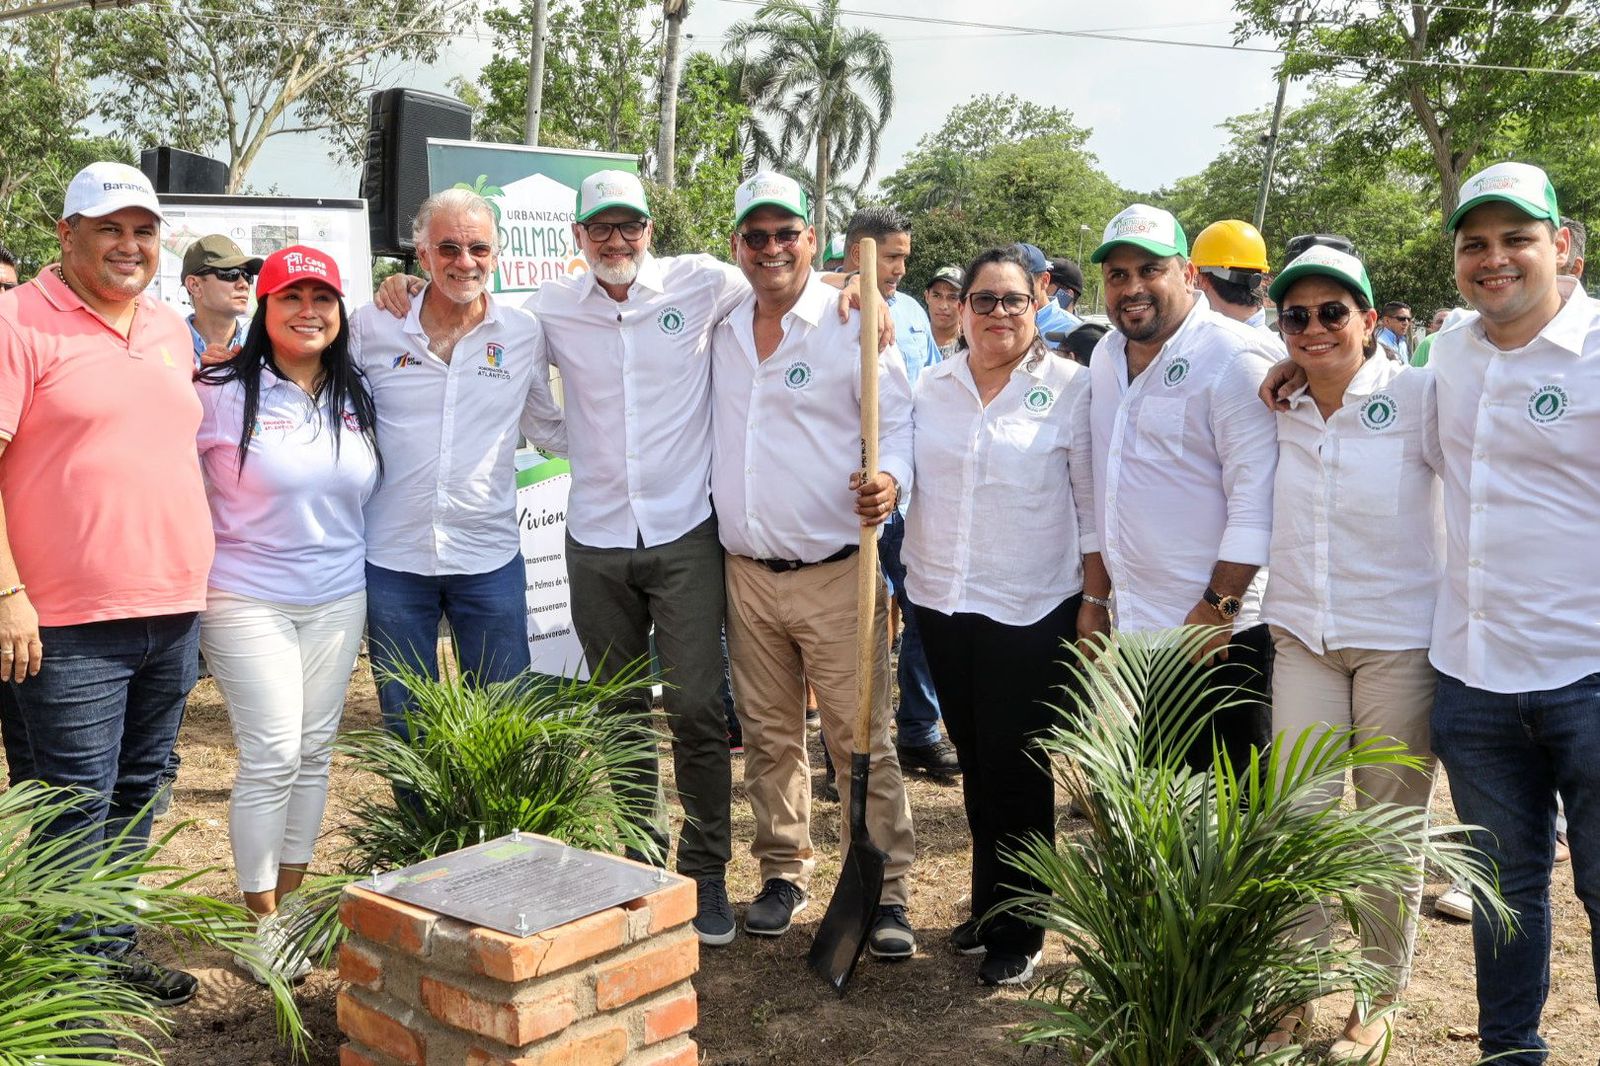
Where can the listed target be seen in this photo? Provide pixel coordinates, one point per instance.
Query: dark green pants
(617, 593)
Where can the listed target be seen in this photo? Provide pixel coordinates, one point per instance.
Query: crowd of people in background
(305, 475)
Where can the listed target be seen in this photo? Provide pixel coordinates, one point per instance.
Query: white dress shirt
(1357, 517)
(1183, 463)
(1005, 502)
(288, 523)
(787, 429)
(1518, 610)
(447, 502)
(638, 395)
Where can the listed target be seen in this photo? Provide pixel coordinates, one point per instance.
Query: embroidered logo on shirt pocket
(1158, 434)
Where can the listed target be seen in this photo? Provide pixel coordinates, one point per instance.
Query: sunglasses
(756, 239)
(602, 231)
(452, 251)
(228, 276)
(1333, 315)
(1012, 303)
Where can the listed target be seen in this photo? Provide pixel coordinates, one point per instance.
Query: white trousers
(283, 669)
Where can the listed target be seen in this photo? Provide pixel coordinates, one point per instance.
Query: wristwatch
(1227, 606)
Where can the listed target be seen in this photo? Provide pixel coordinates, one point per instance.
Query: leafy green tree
(46, 87)
(696, 214)
(944, 236)
(1456, 74)
(1329, 180)
(228, 75)
(829, 88)
(596, 70)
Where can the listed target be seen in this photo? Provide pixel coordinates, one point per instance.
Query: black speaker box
(174, 170)
(394, 181)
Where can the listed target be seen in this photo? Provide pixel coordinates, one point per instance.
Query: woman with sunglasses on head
(993, 537)
(1356, 552)
(288, 449)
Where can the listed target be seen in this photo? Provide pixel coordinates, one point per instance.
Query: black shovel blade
(854, 906)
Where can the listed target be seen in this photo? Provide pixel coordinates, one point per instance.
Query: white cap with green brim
(1328, 262)
(769, 189)
(1145, 227)
(611, 188)
(835, 247)
(1522, 185)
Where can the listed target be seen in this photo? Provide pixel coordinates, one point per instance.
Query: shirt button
(1477, 614)
(1477, 508)
(1476, 562)
(1480, 455)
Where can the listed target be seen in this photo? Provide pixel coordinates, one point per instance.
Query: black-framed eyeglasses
(757, 239)
(1012, 303)
(1304, 241)
(1333, 315)
(228, 276)
(451, 251)
(602, 231)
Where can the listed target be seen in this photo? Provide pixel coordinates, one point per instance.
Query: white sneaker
(1456, 903)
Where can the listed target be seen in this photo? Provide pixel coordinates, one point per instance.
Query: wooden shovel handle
(867, 571)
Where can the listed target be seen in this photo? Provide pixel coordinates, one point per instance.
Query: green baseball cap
(1330, 262)
(611, 188)
(1522, 185)
(1145, 227)
(769, 188)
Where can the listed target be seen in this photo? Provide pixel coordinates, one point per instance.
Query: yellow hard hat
(1231, 245)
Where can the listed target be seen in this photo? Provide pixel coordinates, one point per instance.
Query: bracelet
(12, 591)
(1097, 601)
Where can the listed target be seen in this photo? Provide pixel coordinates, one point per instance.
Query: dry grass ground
(759, 1003)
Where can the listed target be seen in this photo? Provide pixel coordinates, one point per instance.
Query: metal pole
(536, 74)
(1277, 119)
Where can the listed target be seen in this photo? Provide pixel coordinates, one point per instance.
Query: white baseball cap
(1329, 262)
(1145, 227)
(101, 189)
(769, 188)
(1523, 186)
(611, 188)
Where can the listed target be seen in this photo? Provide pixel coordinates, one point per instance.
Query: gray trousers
(616, 594)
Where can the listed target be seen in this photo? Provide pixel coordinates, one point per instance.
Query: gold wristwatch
(1227, 606)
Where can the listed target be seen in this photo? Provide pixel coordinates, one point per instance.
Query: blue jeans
(14, 736)
(917, 714)
(488, 615)
(102, 716)
(1507, 755)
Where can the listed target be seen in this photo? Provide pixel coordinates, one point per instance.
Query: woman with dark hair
(289, 453)
(999, 515)
(1355, 557)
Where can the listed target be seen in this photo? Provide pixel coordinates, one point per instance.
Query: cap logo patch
(606, 190)
(1493, 183)
(1134, 226)
(300, 262)
(129, 186)
(1547, 404)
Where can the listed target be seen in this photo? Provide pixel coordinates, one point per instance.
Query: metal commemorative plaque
(519, 884)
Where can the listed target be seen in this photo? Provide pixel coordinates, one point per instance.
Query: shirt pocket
(1368, 479)
(1019, 453)
(1158, 432)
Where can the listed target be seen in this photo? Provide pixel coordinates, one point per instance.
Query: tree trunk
(819, 209)
(535, 103)
(667, 135)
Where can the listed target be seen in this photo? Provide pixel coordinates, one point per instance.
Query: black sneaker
(936, 760)
(713, 919)
(82, 1034)
(163, 804)
(155, 982)
(736, 742)
(964, 938)
(813, 718)
(891, 936)
(772, 912)
(830, 786)
(1007, 967)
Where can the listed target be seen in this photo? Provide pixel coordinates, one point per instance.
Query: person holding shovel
(786, 449)
(1003, 463)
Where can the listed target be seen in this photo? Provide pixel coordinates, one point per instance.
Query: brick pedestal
(610, 988)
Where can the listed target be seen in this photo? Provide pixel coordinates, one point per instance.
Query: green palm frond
(1179, 903)
(48, 885)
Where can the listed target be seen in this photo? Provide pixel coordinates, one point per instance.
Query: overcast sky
(1153, 107)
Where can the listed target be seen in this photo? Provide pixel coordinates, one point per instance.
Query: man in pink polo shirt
(105, 538)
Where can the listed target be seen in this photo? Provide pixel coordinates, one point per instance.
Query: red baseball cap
(296, 263)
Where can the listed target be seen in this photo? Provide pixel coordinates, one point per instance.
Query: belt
(783, 566)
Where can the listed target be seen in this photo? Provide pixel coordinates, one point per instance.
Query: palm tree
(673, 13)
(829, 87)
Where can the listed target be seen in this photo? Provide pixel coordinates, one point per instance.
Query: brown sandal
(1291, 1028)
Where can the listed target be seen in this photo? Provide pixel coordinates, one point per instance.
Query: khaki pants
(783, 631)
(1383, 694)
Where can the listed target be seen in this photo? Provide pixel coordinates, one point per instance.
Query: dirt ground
(758, 1002)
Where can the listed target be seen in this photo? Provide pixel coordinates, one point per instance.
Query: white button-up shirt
(1518, 610)
(637, 376)
(1004, 505)
(787, 430)
(1183, 462)
(447, 501)
(1357, 518)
